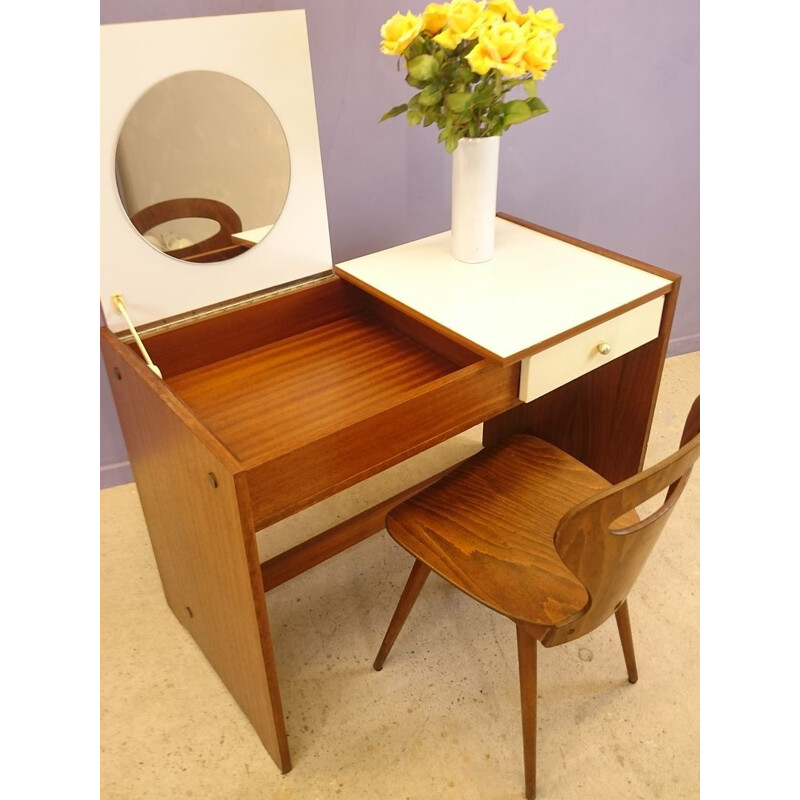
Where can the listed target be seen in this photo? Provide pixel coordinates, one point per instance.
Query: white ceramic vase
(474, 199)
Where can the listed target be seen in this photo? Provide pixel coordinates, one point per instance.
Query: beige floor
(442, 719)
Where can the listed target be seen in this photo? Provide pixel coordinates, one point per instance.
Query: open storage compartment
(315, 389)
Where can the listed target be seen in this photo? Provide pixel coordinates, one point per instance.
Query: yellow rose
(464, 21)
(499, 47)
(547, 20)
(505, 8)
(521, 18)
(399, 32)
(539, 53)
(434, 17)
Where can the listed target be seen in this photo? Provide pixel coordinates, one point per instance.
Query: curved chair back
(608, 560)
(188, 207)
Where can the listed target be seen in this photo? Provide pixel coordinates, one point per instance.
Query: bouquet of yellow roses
(464, 57)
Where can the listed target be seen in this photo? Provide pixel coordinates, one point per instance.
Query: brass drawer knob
(604, 348)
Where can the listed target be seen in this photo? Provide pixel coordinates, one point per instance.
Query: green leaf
(450, 143)
(423, 68)
(430, 96)
(537, 107)
(414, 116)
(530, 87)
(414, 49)
(458, 102)
(464, 75)
(517, 111)
(395, 112)
(415, 83)
(496, 127)
(484, 97)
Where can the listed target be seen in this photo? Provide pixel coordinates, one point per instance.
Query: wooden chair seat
(544, 540)
(488, 528)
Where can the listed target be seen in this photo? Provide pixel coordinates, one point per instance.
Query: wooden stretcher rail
(304, 556)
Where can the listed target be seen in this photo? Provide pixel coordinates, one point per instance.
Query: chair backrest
(188, 208)
(608, 560)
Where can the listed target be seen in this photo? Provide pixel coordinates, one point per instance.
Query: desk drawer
(558, 365)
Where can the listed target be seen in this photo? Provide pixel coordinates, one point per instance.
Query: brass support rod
(119, 307)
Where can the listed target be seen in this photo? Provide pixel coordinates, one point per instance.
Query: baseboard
(115, 474)
(686, 344)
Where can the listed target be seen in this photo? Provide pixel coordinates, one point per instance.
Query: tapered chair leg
(626, 637)
(416, 580)
(526, 649)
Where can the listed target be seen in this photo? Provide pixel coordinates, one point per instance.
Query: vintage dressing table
(250, 388)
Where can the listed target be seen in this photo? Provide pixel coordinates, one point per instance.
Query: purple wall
(616, 161)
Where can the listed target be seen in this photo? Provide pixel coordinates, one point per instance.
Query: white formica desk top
(535, 288)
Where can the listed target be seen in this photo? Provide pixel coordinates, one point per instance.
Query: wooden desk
(268, 408)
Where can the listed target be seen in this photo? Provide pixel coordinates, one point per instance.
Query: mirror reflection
(202, 166)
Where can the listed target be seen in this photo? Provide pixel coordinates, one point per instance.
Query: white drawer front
(545, 371)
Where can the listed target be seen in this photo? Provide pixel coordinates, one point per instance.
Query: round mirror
(202, 166)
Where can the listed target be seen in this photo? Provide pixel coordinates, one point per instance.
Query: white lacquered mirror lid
(268, 52)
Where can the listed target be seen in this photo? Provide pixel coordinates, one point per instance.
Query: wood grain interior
(418, 420)
(206, 340)
(284, 394)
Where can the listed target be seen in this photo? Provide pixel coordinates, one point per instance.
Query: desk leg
(602, 418)
(198, 516)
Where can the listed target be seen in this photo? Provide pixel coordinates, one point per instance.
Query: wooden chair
(218, 247)
(539, 537)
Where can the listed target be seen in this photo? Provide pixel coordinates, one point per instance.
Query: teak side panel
(203, 538)
(604, 417)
